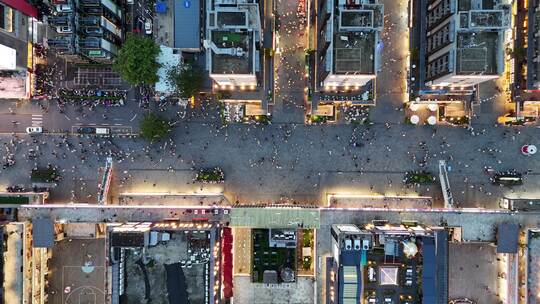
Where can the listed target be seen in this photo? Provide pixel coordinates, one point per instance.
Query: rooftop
(355, 31)
(476, 53)
(232, 52)
(392, 261)
(233, 28)
(354, 52)
(187, 24)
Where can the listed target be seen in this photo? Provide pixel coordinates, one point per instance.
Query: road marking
(67, 117)
(133, 118)
(37, 120)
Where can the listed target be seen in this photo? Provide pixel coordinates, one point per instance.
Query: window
(6, 18)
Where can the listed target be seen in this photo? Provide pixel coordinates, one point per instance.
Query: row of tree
(137, 64)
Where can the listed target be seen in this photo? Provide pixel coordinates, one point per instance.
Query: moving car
(86, 130)
(103, 131)
(34, 130)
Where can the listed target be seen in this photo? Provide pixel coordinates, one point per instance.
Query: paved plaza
(286, 161)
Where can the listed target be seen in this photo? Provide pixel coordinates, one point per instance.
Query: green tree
(137, 60)
(154, 128)
(186, 79)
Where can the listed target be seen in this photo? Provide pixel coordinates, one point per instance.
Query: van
(371, 274)
(103, 131)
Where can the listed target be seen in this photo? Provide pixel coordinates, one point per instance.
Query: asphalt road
(16, 117)
(287, 160)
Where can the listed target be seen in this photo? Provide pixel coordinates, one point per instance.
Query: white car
(148, 27)
(64, 8)
(66, 29)
(34, 130)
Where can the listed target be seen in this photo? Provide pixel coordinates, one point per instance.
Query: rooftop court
(477, 53)
(354, 52)
(77, 272)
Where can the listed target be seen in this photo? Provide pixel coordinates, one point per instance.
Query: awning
(254, 109)
(161, 7)
(23, 6)
(324, 110)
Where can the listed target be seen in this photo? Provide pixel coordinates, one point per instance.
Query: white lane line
(133, 118)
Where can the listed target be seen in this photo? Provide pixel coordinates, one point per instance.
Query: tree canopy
(154, 128)
(137, 60)
(186, 79)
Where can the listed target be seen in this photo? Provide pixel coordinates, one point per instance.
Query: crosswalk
(37, 120)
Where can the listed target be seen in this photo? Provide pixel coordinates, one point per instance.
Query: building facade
(87, 30)
(233, 42)
(348, 42)
(464, 42)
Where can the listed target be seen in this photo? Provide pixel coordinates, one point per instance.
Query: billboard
(9, 58)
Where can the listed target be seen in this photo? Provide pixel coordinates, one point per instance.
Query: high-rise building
(463, 42)
(87, 30)
(348, 42)
(233, 42)
(17, 27)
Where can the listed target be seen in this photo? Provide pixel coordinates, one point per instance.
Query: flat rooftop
(233, 53)
(77, 271)
(467, 5)
(389, 264)
(476, 53)
(354, 31)
(354, 52)
(187, 24)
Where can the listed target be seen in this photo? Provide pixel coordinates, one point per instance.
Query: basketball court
(77, 272)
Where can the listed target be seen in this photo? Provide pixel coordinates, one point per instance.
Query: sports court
(476, 53)
(77, 272)
(354, 52)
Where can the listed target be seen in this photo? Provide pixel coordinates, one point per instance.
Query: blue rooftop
(187, 24)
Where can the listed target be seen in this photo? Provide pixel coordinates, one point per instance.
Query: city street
(286, 161)
(16, 117)
(291, 162)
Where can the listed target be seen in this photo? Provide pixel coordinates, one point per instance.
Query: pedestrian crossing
(37, 120)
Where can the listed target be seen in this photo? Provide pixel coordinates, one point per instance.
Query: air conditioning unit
(348, 244)
(365, 244)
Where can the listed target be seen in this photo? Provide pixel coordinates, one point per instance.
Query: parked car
(93, 30)
(64, 8)
(148, 27)
(34, 130)
(86, 130)
(66, 29)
